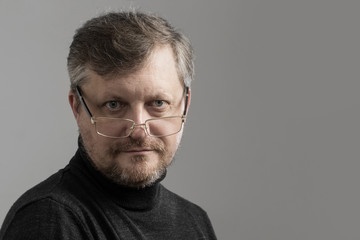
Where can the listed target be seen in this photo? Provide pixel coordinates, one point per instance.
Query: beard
(142, 171)
(139, 170)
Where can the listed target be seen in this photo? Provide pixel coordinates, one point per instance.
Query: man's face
(154, 91)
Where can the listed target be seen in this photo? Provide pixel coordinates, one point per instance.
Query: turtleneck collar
(127, 197)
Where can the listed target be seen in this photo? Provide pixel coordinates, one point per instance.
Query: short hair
(121, 42)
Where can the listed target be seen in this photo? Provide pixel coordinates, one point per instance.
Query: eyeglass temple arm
(78, 91)
(186, 100)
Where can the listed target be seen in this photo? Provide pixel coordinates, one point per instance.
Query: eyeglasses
(121, 127)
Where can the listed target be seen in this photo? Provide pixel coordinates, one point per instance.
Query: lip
(138, 151)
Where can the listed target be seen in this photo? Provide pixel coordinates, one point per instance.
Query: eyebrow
(111, 96)
(117, 96)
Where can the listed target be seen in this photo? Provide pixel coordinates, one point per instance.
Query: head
(132, 66)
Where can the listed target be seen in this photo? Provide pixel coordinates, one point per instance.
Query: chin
(136, 171)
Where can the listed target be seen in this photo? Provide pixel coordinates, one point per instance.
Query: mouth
(138, 151)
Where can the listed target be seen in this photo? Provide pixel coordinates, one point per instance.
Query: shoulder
(183, 206)
(177, 201)
(187, 215)
(53, 187)
(43, 219)
(45, 210)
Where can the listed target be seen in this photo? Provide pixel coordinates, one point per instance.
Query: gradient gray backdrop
(272, 144)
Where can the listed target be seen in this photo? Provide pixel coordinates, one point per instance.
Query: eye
(113, 105)
(159, 103)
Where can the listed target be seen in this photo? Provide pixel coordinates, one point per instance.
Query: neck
(126, 196)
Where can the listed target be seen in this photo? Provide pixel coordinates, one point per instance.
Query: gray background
(271, 148)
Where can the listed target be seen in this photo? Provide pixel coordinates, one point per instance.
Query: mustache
(130, 144)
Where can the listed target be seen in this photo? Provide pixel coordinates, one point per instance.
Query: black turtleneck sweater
(79, 203)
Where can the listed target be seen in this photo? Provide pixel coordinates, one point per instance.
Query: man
(130, 78)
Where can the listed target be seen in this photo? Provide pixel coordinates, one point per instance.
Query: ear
(74, 105)
(188, 100)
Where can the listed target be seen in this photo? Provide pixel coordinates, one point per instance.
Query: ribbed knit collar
(127, 197)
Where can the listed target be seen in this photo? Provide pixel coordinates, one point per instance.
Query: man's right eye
(113, 105)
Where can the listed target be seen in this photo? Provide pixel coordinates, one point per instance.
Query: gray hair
(120, 43)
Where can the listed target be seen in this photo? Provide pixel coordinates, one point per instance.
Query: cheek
(178, 138)
(83, 121)
(173, 142)
(91, 139)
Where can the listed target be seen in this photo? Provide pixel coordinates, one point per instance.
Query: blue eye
(113, 105)
(159, 103)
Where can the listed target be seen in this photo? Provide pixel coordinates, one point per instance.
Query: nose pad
(138, 131)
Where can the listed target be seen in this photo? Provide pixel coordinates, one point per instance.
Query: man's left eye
(159, 103)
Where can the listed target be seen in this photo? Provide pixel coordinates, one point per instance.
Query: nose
(138, 131)
(138, 116)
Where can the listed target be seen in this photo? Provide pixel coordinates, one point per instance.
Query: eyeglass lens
(122, 128)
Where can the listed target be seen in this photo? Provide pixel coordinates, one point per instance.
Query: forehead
(159, 74)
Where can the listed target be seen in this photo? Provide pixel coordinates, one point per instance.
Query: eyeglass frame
(93, 119)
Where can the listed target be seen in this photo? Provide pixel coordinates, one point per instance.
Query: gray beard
(138, 176)
(135, 177)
